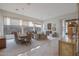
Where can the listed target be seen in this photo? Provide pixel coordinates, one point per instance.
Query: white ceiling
(41, 11)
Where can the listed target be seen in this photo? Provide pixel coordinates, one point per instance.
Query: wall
(1, 25)
(78, 39)
(58, 21)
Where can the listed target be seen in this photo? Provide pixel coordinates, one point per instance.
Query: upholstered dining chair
(17, 39)
(29, 37)
(42, 36)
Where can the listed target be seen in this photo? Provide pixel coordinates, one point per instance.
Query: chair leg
(28, 42)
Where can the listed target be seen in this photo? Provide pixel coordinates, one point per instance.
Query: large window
(12, 25)
(38, 25)
(25, 23)
(12, 21)
(30, 24)
(18, 25)
(15, 21)
(21, 23)
(6, 21)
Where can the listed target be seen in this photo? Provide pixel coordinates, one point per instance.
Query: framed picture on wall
(54, 28)
(49, 26)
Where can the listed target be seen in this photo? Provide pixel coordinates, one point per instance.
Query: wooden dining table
(26, 38)
(23, 37)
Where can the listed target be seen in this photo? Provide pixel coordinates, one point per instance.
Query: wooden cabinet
(2, 43)
(72, 29)
(67, 48)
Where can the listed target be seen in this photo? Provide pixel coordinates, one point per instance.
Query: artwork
(49, 26)
(54, 28)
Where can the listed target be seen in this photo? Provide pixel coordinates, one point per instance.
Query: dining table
(23, 37)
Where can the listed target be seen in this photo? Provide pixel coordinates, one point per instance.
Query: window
(38, 25)
(20, 22)
(6, 21)
(12, 21)
(25, 23)
(31, 24)
(15, 21)
(66, 27)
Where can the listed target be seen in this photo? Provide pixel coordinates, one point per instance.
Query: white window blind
(25, 23)
(31, 24)
(6, 21)
(15, 21)
(12, 21)
(38, 25)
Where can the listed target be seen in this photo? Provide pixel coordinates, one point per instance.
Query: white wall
(54, 21)
(58, 21)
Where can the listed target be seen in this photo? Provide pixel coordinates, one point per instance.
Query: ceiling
(41, 11)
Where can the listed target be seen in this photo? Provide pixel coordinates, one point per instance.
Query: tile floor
(36, 48)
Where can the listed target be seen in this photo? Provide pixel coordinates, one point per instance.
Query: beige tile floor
(37, 48)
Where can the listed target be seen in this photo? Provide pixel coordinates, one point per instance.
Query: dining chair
(29, 37)
(17, 39)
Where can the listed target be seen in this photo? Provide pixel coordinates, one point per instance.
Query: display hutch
(68, 46)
